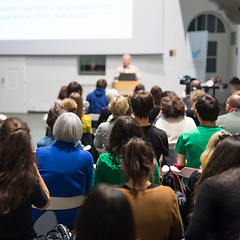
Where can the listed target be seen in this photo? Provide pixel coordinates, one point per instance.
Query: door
(12, 87)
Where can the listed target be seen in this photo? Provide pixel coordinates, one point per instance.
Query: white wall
(46, 74)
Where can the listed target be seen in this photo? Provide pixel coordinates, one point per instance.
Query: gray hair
(127, 55)
(68, 128)
(111, 93)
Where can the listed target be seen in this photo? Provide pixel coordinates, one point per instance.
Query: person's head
(110, 93)
(207, 154)
(53, 114)
(105, 214)
(101, 83)
(139, 87)
(225, 156)
(236, 92)
(68, 128)
(172, 107)
(78, 99)
(156, 92)
(195, 84)
(118, 106)
(74, 87)
(17, 164)
(167, 93)
(195, 95)
(126, 60)
(123, 129)
(142, 104)
(235, 82)
(138, 160)
(62, 93)
(207, 108)
(69, 105)
(233, 103)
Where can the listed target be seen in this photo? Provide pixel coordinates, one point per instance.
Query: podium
(125, 87)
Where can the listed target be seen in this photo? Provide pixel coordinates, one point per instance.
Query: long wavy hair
(225, 156)
(16, 164)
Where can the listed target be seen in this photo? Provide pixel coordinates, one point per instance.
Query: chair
(183, 173)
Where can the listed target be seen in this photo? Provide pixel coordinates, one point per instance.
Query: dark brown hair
(235, 80)
(74, 87)
(16, 164)
(101, 83)
(225, 156)
(123, 129)
(53, 114)
(172, 106)
(139, 87)
(62, 93)
(142, 103)
(208, 108)
(156, 92)
(138, 159)
(105, 215)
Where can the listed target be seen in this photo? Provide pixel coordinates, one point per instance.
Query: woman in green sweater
(109, 168)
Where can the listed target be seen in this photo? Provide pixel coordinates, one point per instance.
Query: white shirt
(175, 126)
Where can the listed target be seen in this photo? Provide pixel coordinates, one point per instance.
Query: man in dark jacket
(97, 99)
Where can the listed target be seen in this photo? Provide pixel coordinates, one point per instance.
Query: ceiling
(231, 8)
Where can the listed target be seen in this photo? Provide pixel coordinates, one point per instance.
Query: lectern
(125, 87)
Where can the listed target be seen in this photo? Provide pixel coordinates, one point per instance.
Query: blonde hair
(196, 94)
(118, 106)
(207, 154)
(69, 105)
(78, 99)
(236, 93)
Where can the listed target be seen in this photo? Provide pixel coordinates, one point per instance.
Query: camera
(186, 80)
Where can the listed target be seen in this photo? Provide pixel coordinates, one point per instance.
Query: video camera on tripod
(213, 83)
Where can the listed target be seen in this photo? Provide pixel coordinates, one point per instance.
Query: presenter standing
(128, 67)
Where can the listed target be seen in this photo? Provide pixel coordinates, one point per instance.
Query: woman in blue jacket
(67, 171)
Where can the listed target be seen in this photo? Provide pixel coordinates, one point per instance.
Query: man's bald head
(195, 84)
(233, 103)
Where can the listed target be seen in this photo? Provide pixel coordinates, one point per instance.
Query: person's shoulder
(156, 131)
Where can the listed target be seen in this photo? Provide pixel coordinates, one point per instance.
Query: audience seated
(235, 83)
(173, 122)
(97, 99)
(52, 116)
(105, 112)
(109, 165)
(190, 185)
(20, 181)
(74, 87)
(191, 112)
(67, 171)
(85, 119)
(156, 92)
(62, 94)
(231, 120)
(139, 87)
(155, 208)
(106, 214)
(216, 212)
(142, 105)
(193, 142)
(118, 107)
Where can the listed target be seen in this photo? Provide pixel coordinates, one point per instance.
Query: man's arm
(181, 159)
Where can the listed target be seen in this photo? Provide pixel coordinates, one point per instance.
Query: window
(212, 57)
(207, 22)
(92, 65)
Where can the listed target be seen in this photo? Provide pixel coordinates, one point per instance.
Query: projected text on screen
(66, 19)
